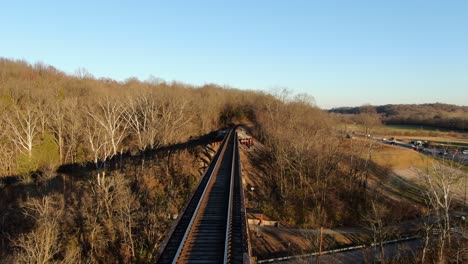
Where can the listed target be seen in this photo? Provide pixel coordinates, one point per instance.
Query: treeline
(436, 115)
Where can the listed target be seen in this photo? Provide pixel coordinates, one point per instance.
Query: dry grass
(407, 170)
(388, 156)
(398, 158)
(386, 131)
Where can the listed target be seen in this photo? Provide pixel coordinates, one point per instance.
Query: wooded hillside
(50, 118)
(94, 170)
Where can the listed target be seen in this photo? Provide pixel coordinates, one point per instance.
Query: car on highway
(442, 153)
(465, 152)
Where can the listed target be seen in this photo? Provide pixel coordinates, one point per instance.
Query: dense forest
(50, 118)
(95, 170)
(435, 115)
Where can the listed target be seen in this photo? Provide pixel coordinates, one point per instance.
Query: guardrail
(246, 246)
(328, 252)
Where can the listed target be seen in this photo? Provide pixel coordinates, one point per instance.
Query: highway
(458, 157)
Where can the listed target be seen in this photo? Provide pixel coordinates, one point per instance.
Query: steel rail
(189, 227)
(214, 164)
(231, 201)
(243, 220)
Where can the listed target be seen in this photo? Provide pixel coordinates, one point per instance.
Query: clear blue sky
(341, 52)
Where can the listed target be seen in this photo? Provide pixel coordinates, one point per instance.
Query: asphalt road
(459, 157)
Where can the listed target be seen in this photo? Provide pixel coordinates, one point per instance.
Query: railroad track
(212, 228)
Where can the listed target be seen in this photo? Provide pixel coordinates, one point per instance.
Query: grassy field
(421, 128)
(405, 180)
(396, 157)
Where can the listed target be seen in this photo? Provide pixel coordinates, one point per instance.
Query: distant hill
(436, 115)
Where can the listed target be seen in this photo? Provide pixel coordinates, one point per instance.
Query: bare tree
(83, 73)
(23, 127)
(58, 126)
(42, 243)
(374, 219)
(426, 229)
(111, 117)
(42, 113)
(126, 206)
(7, 157)
(441, 179)
(172, 116)
(137, 119)
(368, 118)
(112, 222)
(100, 147)
(73, 132)
(366, 169)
